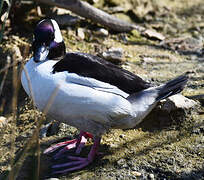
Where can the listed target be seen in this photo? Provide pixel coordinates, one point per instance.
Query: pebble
(61, 11)
(135, 173)
(153, 35)
(114, 145)
(80, 33)
(52, 179)
(151, 176)
(113, 54)
(183, 44)
(178, 101)
(149, 60)
(3, 121)
(101, 32)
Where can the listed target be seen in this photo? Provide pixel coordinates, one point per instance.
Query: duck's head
(48, 42)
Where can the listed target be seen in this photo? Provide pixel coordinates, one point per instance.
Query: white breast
(77, 104)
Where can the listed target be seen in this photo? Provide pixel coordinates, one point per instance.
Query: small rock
(114, 145)
(113, 54)
(52, 179)
(149, 60)
(135, 173)
(60, 11)
(151, 176)
(185, 45)
(101, 32)
(80, 33)
(3, 121)
(153, 35)
(177, 101)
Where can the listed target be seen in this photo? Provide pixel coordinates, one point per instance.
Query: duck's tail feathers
(171, 87)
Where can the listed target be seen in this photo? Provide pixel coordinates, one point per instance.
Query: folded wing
(87, 65)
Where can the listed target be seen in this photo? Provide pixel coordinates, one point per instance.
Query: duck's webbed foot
(78, 143)
(77, 163)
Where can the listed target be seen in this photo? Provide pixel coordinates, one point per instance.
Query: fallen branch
(96, 15)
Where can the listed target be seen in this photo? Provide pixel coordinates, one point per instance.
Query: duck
(90, 93)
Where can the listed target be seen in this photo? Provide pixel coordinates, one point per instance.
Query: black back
(88, 65)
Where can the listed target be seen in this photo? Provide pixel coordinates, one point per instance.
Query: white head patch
(58, 35)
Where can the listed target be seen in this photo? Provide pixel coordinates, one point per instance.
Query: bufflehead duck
(93, 94)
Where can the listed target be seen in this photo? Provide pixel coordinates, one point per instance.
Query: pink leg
(79, 143)
(82, 141)
(79, 162)
(58, 145)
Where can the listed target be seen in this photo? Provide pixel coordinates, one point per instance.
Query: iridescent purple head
(48, 42)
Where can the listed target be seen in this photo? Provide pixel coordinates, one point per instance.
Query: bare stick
(10, 65)
(5, 75)
(14, 119)
(96, 15)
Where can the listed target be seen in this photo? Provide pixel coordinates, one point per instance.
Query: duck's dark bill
(41, 53)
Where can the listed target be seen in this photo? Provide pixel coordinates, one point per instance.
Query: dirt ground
(165, 145)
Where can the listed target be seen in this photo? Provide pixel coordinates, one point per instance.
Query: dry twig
(5, 74)
(96, 15)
